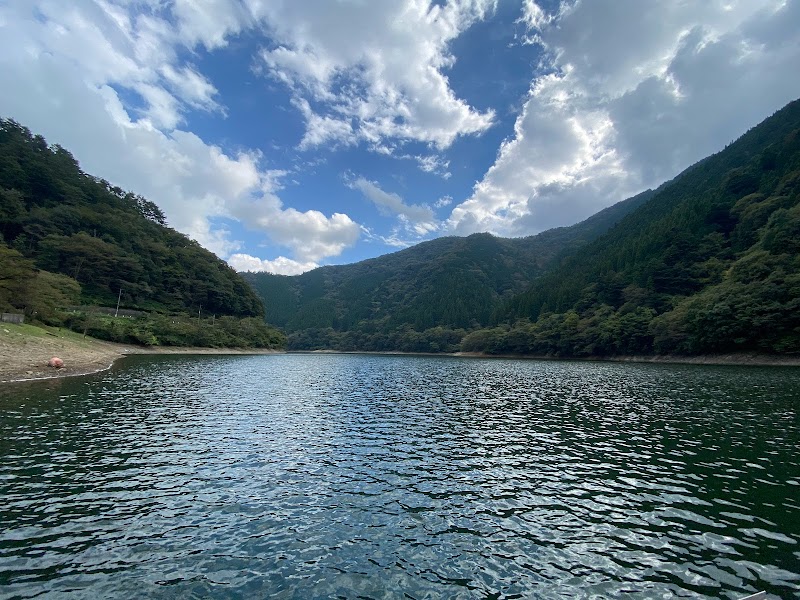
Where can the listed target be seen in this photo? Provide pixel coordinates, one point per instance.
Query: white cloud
(417, 218)
(310, 235)
(535, 16)
(626, 98)
(210, 22)
(398, 237)
(191, 86)
(69, 66)
(373, 70)
(163, 109)
(395, 240)
(279, 266)
(443, 201)
(110, 44)
(432, 163)
(323, 130)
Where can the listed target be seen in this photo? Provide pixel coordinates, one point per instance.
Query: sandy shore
(25, 350)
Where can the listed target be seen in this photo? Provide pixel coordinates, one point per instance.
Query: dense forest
(69, 241)
(707, 263)
(421, 299)
(710, 264)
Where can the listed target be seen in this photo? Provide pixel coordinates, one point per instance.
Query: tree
(16, 273)
(47, 294)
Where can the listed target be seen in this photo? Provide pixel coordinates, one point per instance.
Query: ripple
(344, 476)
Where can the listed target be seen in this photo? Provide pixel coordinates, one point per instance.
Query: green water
(322, 476)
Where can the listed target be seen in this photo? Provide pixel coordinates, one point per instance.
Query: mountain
(72, 223)
(709, 264)
(67, 238)
(443, 287)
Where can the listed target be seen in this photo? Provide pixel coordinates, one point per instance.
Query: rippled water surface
(317, 476)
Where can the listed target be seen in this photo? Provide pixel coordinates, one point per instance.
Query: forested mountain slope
(710, 264)
(68, 239)
(82, 227)
(445, 287)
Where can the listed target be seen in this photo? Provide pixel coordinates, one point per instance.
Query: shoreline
(25, 350)
(745, 359)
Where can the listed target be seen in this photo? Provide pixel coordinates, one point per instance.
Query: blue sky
(288, 134)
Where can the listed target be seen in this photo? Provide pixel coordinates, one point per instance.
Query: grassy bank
(25, 350)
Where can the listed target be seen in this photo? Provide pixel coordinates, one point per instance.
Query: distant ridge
(707, 263)
(453, 283)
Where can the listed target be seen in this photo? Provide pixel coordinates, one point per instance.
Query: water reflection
(317, 476)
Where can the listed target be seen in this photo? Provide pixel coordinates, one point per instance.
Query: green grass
(11, 332)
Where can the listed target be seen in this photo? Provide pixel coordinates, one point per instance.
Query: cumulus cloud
(278, 266)
(111, 81)
(417, 218)
(310, 235)
(373, 71)
(71, 71)
(323, 129)
(210, 22)
(623, 98)
(626, 97)
(195, 89)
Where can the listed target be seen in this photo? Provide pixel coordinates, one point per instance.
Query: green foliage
(711, 264)
(39, 294)
(48, 294)
(46, 297)
(404, 339)
(16, 274)
(71, 223)
(178, 330)
(707, 263)
(69, 239)
(418, 299)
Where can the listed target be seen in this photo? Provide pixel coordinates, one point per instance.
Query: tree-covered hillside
(707, 263)
(106, 239)
(67, 238)
(710, 264)
(422, 298)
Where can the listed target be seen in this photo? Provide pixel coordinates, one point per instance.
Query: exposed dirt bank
(25, 350)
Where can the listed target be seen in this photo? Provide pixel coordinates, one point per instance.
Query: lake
(322, 476)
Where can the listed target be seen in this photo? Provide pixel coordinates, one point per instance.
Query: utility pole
(116, 312)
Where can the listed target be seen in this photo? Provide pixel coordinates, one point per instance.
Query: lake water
(322, 476)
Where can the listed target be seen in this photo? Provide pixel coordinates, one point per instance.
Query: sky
(287, 134)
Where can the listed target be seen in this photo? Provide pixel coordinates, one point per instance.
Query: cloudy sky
(286, 134)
